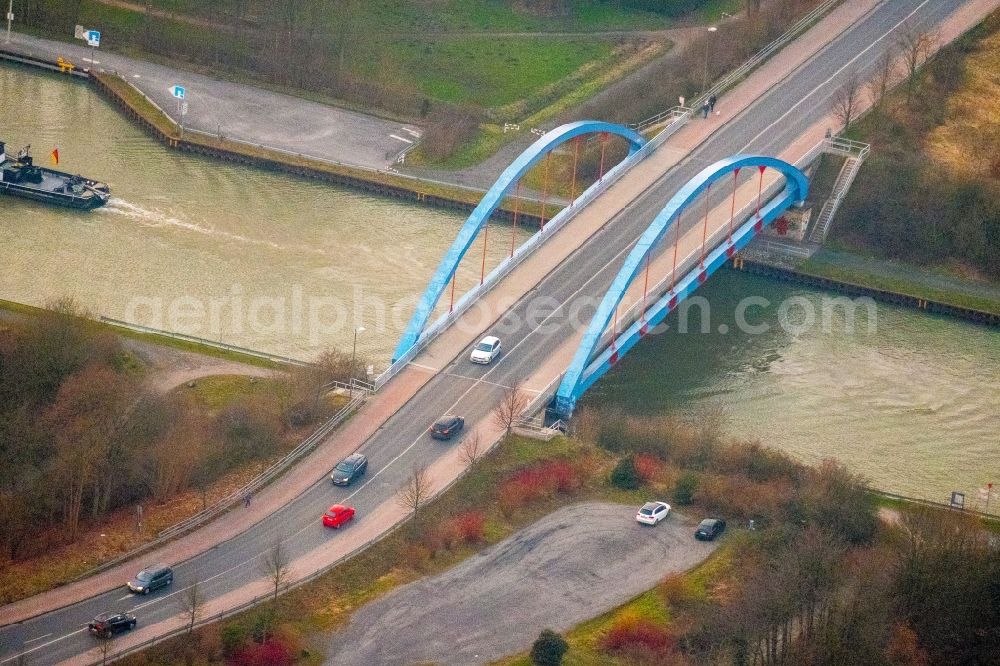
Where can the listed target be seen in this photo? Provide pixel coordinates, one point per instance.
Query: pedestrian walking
(704, 110)
(246, 499)
(681, 100)
(711, 103)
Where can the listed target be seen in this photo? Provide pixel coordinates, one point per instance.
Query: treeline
(907, 205)
(81, 437)
(821, 580)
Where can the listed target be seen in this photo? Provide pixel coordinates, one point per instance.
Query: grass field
(485, 71)
(450, 16)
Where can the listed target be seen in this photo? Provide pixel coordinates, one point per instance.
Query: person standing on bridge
(704, 110)
(711, 103)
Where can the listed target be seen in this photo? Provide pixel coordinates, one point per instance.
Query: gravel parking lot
(570, 566)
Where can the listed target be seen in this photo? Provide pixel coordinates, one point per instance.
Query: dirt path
(570, 566)
(169, 367)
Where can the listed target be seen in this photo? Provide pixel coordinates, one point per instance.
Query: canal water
(292, 266)
(908, 399)
(198, 246)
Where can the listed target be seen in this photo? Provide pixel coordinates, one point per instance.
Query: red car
(338, 515)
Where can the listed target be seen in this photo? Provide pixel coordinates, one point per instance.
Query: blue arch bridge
(609, 336)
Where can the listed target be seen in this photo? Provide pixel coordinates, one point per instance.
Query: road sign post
(180, 94)
(93, 41)
(10, 18)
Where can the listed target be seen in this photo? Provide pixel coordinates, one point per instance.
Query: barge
(20, 177)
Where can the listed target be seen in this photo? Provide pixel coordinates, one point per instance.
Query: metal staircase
(855, 154)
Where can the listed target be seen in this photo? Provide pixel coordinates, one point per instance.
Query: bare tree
(105, 645)
(881, 81)
(512, 404)
(471, 449)
(915, 46)
(192, 602)
(416, 492)
(847, 99)
(276, 566)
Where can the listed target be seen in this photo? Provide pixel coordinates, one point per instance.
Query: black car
(151, 578)
(348, 469)
(447, 427)
(107, 624)
(709, 528)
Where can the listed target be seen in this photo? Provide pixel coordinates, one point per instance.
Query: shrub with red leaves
(533, 483)
(470, 526)
(648, 467)
(268, 653)
(631, 634)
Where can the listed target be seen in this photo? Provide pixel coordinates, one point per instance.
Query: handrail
(139, 328)
(800, 26)
(743, 69)
(508, 264)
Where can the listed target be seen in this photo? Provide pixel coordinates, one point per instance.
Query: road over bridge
(779, 111)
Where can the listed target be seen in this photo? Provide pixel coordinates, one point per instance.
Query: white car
(652, 512)
(487, 349)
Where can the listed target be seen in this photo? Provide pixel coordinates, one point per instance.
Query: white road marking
(411, 132)
(95, 62)
(37, 638)
(127, 596)
(504, 357)
(54, 640)
(835, 74)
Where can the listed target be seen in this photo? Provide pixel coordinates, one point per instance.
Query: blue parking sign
(178, 92)
(93, 38)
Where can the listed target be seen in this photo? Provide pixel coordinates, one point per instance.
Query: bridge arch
(584, 369)
(491, 200)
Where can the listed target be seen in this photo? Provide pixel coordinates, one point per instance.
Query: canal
(908, 399)
(291, 266)
(198, 246)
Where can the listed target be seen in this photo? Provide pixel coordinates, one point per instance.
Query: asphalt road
(245, 113)
(569, 566)
(768, 126)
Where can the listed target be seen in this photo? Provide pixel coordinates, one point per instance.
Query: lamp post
(10, 18)
(354, 353)
(708, 49)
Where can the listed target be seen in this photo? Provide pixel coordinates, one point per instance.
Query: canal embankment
(861, 290)
(141, 110)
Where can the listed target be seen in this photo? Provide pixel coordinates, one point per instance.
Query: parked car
(652, 512)
(709, 528)
(348, 469)
(338, 515)
(151, 578)
(487, 350)
(106, 625)
(447, 427)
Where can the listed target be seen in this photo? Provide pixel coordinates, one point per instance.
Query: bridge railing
(223, 505)
(758, 58)
(740, 72)
(520, 254)
(635, 310)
